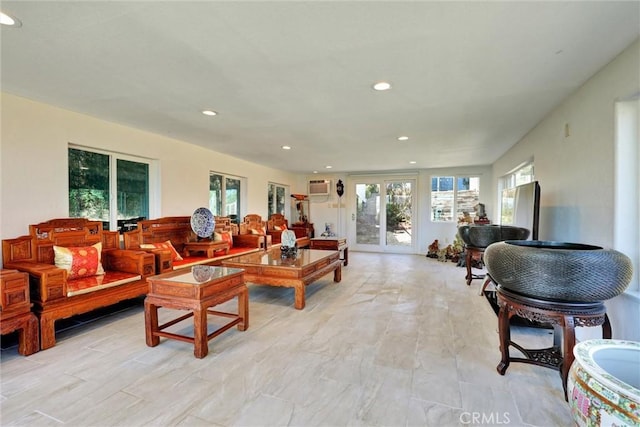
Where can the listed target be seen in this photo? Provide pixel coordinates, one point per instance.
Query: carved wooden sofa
(185, 250)
(276, 224)
(58, 293)
(252, 231)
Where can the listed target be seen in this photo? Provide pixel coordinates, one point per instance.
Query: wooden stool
(562, 315)
(471, 254)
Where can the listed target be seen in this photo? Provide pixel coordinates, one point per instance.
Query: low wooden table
(269, 268)
(209, 247)
(332, 243)
(195, 290)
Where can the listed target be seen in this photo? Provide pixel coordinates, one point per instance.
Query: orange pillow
(79, 261)
(166, 245)
(227, 237)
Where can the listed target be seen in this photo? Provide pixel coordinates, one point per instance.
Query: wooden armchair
(253, 232)
(275, 226)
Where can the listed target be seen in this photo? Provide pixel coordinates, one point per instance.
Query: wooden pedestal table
(15, 311)
(196, 291)
(269, 268)
(563, 316)
(332, 243)
(472, 254)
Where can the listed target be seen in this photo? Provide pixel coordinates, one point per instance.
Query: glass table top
(199, 274)
(273, 257)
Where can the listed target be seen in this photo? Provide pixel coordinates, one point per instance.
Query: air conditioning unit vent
(319, 187)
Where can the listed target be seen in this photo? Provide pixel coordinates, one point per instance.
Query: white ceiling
(469, 78)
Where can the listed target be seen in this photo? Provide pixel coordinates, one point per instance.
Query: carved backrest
(38, 246)
(177, 229)
(252, 222)
(277, 220)
(223, 223)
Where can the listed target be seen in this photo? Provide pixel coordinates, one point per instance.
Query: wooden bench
(53, 294)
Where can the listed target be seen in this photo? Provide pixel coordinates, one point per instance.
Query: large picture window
(225, 195)
(453, 197)
(95, 176)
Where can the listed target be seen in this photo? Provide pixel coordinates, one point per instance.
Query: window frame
(455, 215)
(241, 198)
(152, 190)
(272, 191)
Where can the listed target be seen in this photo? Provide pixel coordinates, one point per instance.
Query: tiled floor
(400, 341)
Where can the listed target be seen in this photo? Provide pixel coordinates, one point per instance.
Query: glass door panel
(367, 214)
(398, 213)
(381, 228)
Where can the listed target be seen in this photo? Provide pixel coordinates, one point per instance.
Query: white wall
(34, 177)
(325, 209)
(576, 173)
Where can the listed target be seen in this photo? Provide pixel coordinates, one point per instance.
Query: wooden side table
(208, 247)
(332, 243)
(195, 290)
(564, 316)
(15, 313)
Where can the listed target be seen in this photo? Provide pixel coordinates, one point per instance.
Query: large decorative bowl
(481, 236)
(603, 387)
(558, 271)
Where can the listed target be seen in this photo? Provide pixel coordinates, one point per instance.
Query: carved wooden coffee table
(195, 290)
(206, 246)
(269, 268)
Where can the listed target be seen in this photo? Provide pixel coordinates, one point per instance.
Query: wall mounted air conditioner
(319, 187)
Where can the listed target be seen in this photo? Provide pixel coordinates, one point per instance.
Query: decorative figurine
(288, 247)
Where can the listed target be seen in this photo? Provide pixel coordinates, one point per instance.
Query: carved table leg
(337, 274)
(200, 332)
(299, 296)
(567, 356)
(505, 338)
(29, 336)
(468, 258)
(151, 324)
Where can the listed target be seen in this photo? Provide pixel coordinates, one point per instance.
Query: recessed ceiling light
(328, 167)
(315, 171)
(413, 162)
(382, 86)
(403, 138)
(209, 113)
(9, 20)
(286, 147)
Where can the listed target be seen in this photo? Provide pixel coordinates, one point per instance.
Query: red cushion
(79, 261)
(227, 237)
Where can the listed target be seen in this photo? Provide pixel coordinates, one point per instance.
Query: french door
(380, 214)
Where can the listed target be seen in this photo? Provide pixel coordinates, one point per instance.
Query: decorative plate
(203, 222)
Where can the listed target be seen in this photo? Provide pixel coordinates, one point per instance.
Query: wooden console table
(15, 311)
(563, 316)
(196, 291)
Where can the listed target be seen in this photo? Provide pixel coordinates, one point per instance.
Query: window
(447, 191)
(225, 196)
(277, 199)
(95, 176)
(523, 174)
(627, 184)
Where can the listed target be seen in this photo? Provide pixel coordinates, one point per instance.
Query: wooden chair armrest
(129, 261)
